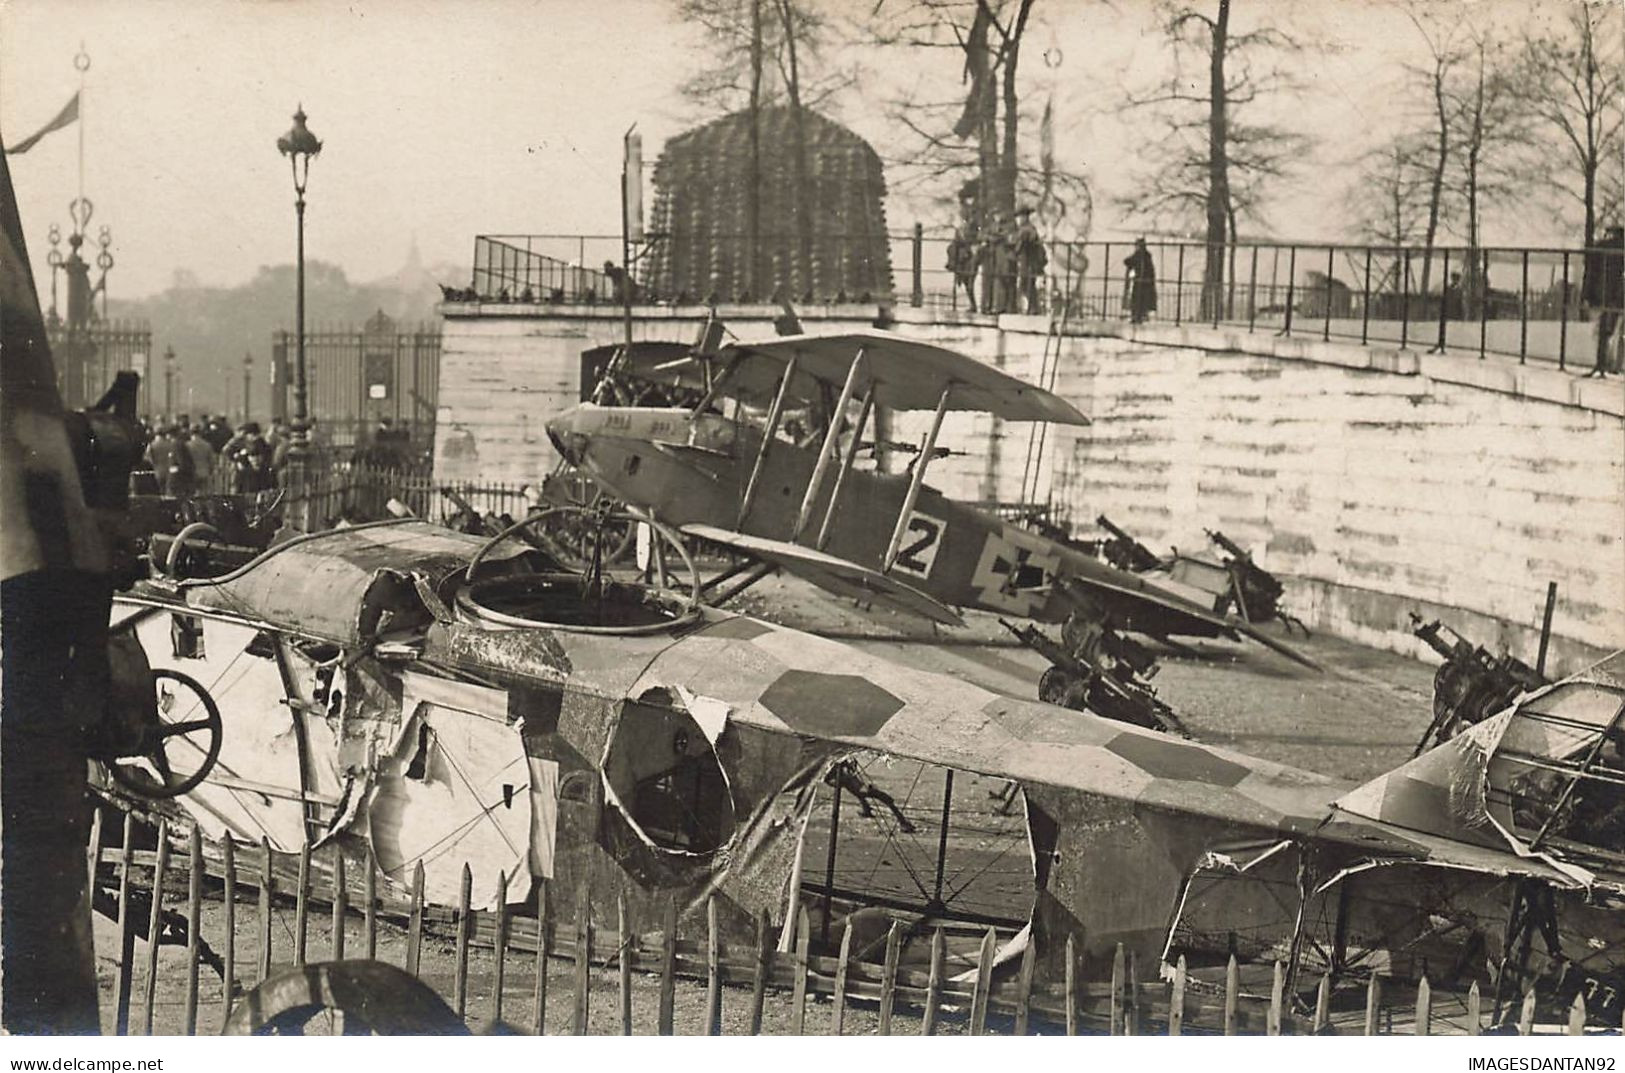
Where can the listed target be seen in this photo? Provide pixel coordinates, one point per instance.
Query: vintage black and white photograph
(813, 518)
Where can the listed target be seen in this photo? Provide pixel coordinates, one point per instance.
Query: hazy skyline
(443, 121)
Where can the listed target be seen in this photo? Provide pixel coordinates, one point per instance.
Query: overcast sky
(447, 120)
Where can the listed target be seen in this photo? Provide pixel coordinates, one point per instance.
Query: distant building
(702, 244)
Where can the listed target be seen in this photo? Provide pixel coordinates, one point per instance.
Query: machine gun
(1089, 677)
(1123, 551)
(1471, 685)
(1255, 591)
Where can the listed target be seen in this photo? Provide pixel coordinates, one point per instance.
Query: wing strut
(831, 442)
(846, 467)
(774, 413)
(921, 464)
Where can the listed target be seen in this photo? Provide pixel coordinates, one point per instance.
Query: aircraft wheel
(1062, 687)
(350, 998)
(195, 729)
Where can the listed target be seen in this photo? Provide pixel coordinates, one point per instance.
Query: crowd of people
(1010, 256)
(186, 457)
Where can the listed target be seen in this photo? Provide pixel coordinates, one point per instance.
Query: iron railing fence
(1522, 302)
(88, 358)
(357, 376)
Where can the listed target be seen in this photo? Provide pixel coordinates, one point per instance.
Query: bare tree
(1211, 164)
(979, 127)
(758, 54)
(1489, 115)
(1446, 54)
(1389, 192)
(1573, 80)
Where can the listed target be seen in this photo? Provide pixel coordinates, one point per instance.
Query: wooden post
(126, 961)
(888, 976)
(1272, 1023)
(1131, 997)
(798, 998)
(414, 922)
(1232, 989)
(1526, 1016)
(155, 924)
(194, 923)
(1176, 1000)
(93, 855)
(1323, 1004)
(838, 1016)
(544, 944)
(459, 982)
(1424, 1007)
(933, 987)
(713, 970)
(1475, 1011)
(265, 908)
(628, 946)
(668, 968)
(1071, 985)
(1024, 986)
(983, 985)
(369, 926)
(228, 866)
(301, 905)
(1116, 1009)
(1373, 1003)
(499, 970)
(764, 963)
(583, 973)
(1577, 1015)
(341, 898)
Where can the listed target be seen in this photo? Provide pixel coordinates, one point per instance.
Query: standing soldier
(963, 258)
(1140, 283)
(997, 271)
(1030, 258)
(1604, 290)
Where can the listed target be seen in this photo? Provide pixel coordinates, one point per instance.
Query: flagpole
(81, 63)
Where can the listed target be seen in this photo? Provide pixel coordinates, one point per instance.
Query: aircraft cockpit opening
(663, 774)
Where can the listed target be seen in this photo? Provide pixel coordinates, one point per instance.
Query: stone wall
(1376, 480)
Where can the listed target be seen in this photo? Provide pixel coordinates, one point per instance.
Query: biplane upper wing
(832, 574)
(906, 374)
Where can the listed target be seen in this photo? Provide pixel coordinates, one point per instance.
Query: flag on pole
(69, 113)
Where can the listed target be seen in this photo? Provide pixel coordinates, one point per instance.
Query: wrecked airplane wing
(624, 743)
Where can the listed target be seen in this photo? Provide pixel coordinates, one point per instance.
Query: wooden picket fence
(254, 876)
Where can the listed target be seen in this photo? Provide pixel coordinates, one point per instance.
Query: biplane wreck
(885, 538)
(413, 695)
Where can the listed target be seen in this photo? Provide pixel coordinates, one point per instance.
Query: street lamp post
(300, 146)
(169, 382)
(248, 385)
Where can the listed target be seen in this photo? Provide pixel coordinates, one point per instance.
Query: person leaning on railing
(1604, 291)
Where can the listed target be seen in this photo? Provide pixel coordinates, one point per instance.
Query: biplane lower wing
(832, 574)
(1175, 609)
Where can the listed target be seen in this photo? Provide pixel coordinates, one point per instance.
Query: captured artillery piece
(1471, 685)
(1095, 668)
